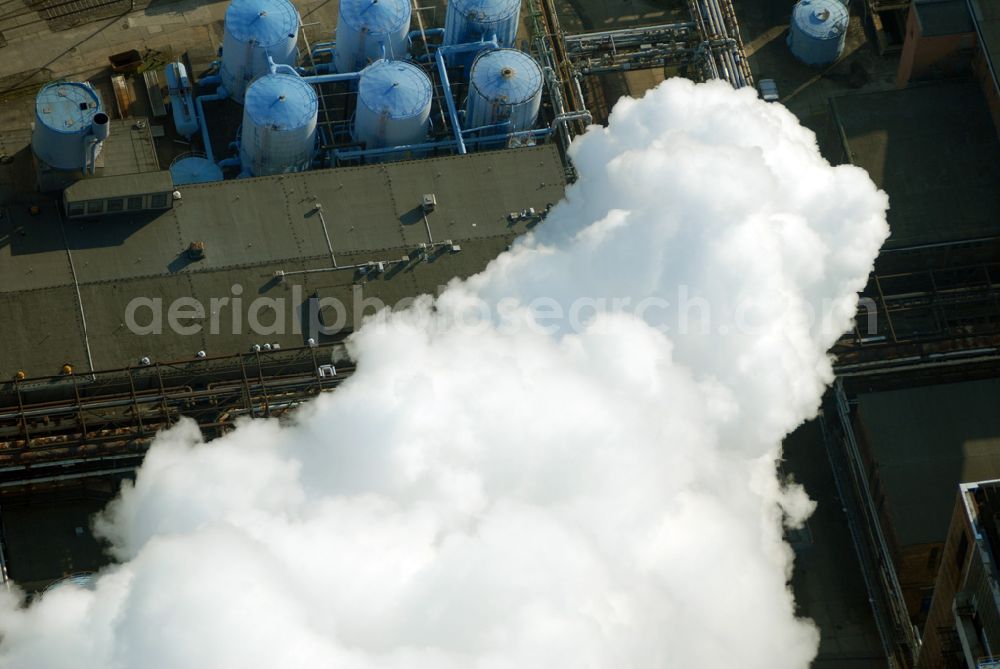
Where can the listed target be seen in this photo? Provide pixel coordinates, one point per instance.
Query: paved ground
(827, 581)
(51, 539)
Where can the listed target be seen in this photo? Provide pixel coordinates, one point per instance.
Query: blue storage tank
(256, 29)
(818, 30)
(279, 125)
(504, 85)
(394, 105)
(366, 27)
(474, 20)
(69, 125)
(194, 169)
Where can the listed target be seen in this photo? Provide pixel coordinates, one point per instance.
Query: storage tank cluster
(279, 125)
(256, 30)
(369, 29)
(818, 31)
(394, 97)
(70, 126)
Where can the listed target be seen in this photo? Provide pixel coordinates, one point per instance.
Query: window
(158, 201)
(116, 205)
(95, 206)
(134, 203)
(75, 209)
(932, 557)
(963, 549)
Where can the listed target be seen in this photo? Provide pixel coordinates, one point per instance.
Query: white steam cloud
(503, 494)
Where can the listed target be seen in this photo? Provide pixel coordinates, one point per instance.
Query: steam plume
(497, 488)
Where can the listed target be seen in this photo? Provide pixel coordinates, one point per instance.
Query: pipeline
(505, 124)
(219, 94)
(278, 68)
(449, 99)
(566, 117)
(443, 144)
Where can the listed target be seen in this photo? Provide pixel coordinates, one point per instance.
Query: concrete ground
(46, 540)
(827, 580)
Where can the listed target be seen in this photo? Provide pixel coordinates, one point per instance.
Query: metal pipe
(439, 55)
(443, 144)
(572, 116)
(505, 124)
(277, 68)
(331, 78)
(219, 94)
(433, 32)
(94, 146)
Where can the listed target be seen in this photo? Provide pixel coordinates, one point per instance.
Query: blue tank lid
(280, 101)
(486, 10)
(194, 170)
(820, 19)
(67, 106)
(396, 88)
(263, 22)
(375, 16)
(506, 74)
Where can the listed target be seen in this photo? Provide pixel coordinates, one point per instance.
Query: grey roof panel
(890, 134)
(253, 228)
(943, 17)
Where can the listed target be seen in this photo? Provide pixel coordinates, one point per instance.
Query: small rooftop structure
(129, 149)
(943, 17)
(149, 191)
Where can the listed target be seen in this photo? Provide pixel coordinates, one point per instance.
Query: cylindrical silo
(818, 30)
(256, 29)
(394, 105)
(69, 125)
(504, 85)
(474, 20)
(279, 125)
(366, 27)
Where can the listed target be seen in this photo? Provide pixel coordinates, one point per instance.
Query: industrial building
(963, 624)
(363, 150)
(297, 165)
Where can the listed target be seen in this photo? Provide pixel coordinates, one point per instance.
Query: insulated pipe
(219, 94)
(95, 144)
(90, 155)
(331, 78)
(446, 85)
(430, 32)
(277, 68)
(572, 116)
(495, 126)
(448, 143)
